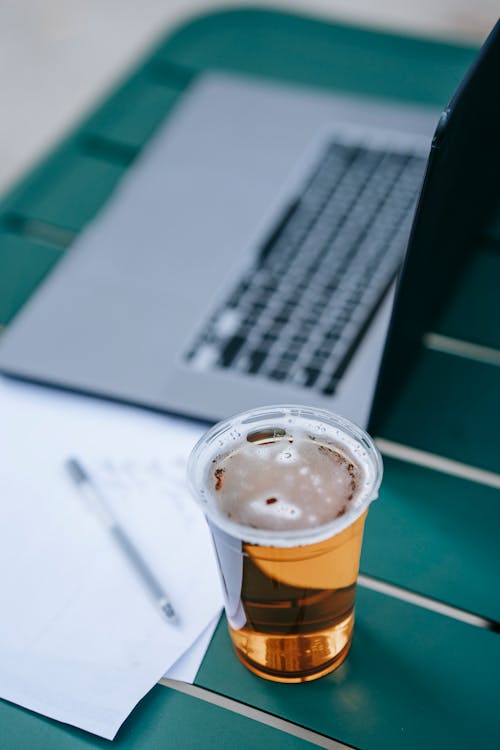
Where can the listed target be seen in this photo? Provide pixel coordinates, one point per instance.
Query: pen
(92, 493)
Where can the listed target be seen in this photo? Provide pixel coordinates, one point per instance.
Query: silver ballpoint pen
(98, 502)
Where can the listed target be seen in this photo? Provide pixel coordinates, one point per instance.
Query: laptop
(251, 253)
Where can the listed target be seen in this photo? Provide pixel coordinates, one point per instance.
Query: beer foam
(303, 476)
(294, 481)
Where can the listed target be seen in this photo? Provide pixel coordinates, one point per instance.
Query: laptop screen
(460, 191)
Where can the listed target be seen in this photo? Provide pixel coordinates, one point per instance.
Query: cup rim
(207, 444)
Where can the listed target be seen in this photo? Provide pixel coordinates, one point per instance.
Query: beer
(286, 492)
(299, 606)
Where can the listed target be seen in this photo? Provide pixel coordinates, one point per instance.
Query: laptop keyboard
(298, 312)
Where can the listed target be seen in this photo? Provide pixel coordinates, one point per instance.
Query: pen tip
(169, 613)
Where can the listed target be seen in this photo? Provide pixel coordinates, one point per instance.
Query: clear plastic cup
(289, 592)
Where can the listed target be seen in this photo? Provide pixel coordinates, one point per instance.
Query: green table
(415, 677)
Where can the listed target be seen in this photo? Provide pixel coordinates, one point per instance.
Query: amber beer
(286, 492)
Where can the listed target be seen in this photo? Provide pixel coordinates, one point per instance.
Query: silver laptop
(248, 257)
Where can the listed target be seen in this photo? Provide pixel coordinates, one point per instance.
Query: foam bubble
(275, 507)
(287, 456)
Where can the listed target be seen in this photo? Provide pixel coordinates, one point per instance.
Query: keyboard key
(230, 350)
(256, 359)
(330, 388)
(311, 375)
(278, 374)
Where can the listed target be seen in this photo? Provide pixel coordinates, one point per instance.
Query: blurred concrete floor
(58, 56)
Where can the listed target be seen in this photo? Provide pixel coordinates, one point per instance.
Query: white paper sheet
(186, 668)
(80, 638)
